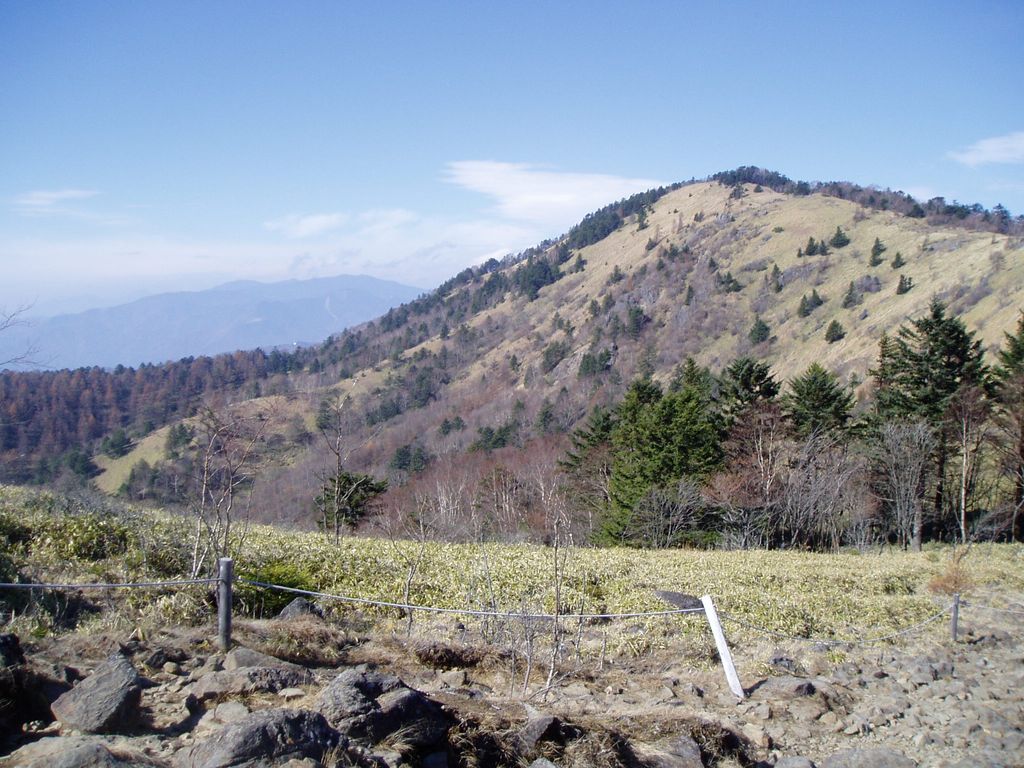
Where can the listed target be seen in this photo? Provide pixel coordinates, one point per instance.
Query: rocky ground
(299, 692)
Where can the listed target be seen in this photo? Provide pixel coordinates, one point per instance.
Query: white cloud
(998, 149)
(298, 226)
(528, 193)
(411, 247)
(50, 202)
(921, 192)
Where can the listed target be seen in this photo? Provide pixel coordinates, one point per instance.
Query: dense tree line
(938, 453)
(47, 415)
(937, 210)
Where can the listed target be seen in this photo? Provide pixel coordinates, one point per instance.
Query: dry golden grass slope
(692, 238)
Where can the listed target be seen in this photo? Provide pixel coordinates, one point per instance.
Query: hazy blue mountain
(239, 315)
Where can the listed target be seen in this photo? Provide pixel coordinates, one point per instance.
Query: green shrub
(263, 602)
(89, 537)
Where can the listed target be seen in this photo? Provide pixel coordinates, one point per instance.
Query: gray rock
(686, 748)
(233, 682)
(353, 693)
(105, 702)
(367, 705)
(794, 762)
(786, 687)
(72, 752)
(537, 729)
(541, 762)
(298, 608)
(10, 650)
(878, 757)
(241, 657)
(271, 736)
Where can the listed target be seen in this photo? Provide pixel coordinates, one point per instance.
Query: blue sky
(161, 146)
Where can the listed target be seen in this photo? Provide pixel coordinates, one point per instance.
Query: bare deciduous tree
(665, 516)
(901, 457)
(969, 416)
(225, 446)
(818, 493)
(13, 319)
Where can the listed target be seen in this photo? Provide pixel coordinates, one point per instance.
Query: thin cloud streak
(530, 204)
(297, 227)
(529, 193)
(997, 149)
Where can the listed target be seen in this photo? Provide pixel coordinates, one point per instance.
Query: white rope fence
(470, 611)
(112, 585)
(839, 642)
(226, 579)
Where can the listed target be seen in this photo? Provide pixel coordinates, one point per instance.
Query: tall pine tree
(817, 402)
(922, 371)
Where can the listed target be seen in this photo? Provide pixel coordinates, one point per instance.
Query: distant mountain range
(233, 316)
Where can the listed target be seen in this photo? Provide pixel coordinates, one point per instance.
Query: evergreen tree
(840, 239)
(920, 370)
(920, 373)
(809, 304)
(658, 440)
(817, 402)
(904, 285)
(694, 376)
(834, 332)
(805, 308)
(759, 331)
(876, 253)
(689, 296)
(776, 279)
(345, 498)
(853, 297)
(1009, 375)
(897, 260)
(746, 381)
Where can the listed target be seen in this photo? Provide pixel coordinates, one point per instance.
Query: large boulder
(299, 608)
(368, 706)
(244, 680)
(74, 752)
(241, 657)
(107, 701)
(269, 737)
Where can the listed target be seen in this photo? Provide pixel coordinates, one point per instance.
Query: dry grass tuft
(306, 640)
(956, 578)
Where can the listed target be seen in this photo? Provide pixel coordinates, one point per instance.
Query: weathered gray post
(225, 578)
(955, 618)
(723, 647)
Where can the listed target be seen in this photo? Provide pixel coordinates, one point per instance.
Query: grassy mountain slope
(653, 291)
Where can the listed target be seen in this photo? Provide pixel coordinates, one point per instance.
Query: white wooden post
(723, 647)
(955, 618)
(225, 578)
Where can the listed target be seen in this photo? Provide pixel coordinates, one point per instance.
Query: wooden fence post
(225, 579)
(955, 616)
(723, 647)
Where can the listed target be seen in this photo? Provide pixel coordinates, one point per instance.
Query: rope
(469, 611)
(829, 641)
(991, 608)
(121, 585)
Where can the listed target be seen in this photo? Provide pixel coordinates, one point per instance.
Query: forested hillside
(687, 365)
